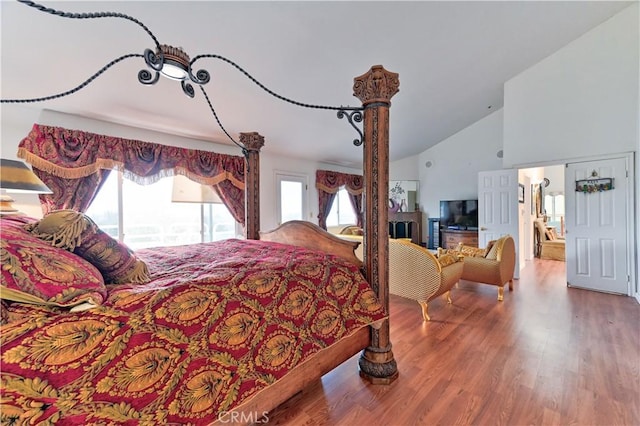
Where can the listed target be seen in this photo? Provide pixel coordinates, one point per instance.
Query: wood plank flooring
(547, 355)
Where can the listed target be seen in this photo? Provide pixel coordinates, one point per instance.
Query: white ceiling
(452, 57)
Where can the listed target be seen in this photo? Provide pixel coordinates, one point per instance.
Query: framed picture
(520, 193)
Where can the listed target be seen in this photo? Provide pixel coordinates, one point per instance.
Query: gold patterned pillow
(442, 251)
(470, 251)
(447, 259)
(76, 232)
(492, 252)
(35, 272)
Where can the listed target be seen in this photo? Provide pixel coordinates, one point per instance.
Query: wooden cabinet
(451, 238)
(406, 225)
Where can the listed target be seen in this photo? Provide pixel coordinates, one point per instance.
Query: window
(144, 216)
(341, 211)
(291, 196)
(554, 208)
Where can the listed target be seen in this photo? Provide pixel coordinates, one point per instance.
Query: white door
(596, 226)
(498, 208)
(291, 192)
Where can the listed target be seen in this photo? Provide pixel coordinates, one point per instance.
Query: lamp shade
(16, 176)
(187, 191)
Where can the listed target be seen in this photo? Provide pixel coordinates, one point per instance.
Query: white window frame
(339, 206)
(303, 179)
(120, 181)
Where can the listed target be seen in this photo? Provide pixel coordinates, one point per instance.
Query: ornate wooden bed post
(375, 89)
(252, 143)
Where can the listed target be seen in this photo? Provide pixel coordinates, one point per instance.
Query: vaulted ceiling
(452, 57)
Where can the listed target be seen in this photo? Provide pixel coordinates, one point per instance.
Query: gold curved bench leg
(500, 293)
(510, 285)
(448, 296)
(425, 315)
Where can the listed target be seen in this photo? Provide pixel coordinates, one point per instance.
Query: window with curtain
(329, 183)
(75, 164)
(341, 213)
(144, 216)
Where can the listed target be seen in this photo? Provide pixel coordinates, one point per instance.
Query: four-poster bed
(211, 332)
(26, 369)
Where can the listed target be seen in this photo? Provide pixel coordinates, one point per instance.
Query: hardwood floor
(547, 355)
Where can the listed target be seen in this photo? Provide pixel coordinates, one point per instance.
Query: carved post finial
(252, 141)
(376, 85)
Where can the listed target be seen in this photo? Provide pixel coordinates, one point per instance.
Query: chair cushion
(470, 251)
(447, 259)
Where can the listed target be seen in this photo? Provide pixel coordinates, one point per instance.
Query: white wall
(527, 177)
(18, 120)
(455, 163)
(404, 169)
(555, 174)
(580, 101)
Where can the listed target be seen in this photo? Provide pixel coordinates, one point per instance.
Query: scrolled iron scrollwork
(146, 77)
(353, 116)
(155, 60)
(200, 77)
(187, 88)
(75, 89)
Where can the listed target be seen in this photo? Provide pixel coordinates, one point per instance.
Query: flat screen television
(459, 214)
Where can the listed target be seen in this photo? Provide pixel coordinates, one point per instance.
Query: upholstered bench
(416, 273)
(493, 265)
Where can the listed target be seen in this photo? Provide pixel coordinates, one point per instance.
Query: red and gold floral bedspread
(217, 323)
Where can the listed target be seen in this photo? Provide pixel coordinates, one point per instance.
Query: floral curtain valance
(74, 154)
(330, 182)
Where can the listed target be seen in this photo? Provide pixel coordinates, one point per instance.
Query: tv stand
(451, 237)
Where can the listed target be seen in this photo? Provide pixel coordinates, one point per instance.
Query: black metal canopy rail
(155, 61)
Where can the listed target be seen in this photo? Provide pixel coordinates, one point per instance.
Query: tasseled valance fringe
(139, 274)
(68, 229)
(107, 164)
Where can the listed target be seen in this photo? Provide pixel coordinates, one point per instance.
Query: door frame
(632, 256)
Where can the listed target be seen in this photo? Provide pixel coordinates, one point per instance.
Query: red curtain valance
(74, 154)
(328, 184)
(330, 181)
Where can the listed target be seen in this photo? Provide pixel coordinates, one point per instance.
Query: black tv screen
(459, 214)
